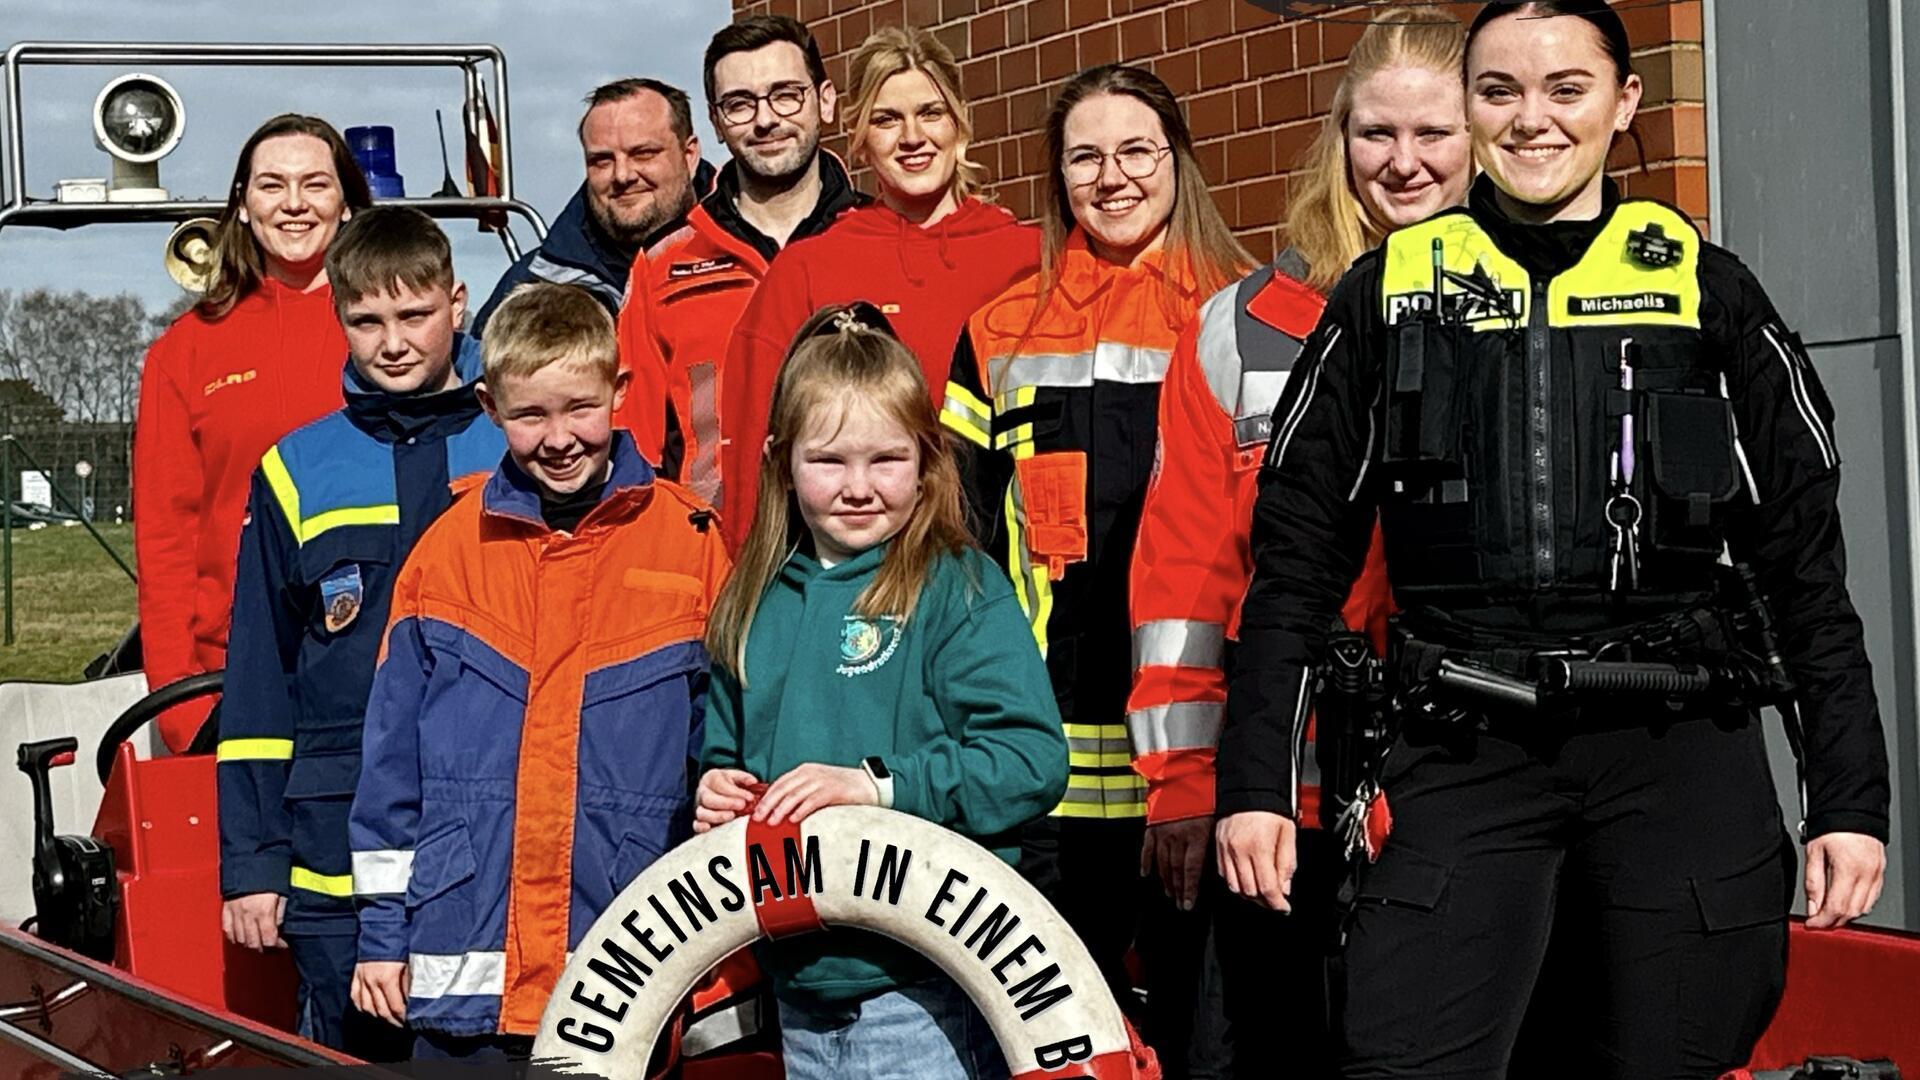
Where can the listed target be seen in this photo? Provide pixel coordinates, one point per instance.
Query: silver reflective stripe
(1041, 369)
(1113, 362)
(1179, 643)
(1108, 362)
(1078, 745)
(376, 873)
(1218, 347)
(720, 1027)
(1740, 451)
(1310, 772)
(703, 472)
(1302, 709)
(1803, 399)
(1366, 456)
(457, 975)
(561, 274)
(1299, 411)
(1260, 392)
(1183, 725)
(966, 406)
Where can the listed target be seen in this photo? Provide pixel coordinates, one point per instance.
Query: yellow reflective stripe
(1095, 731)
(1119, 796)
(340, 885)
(957, 419)
(280, 482)
(1079, 760)
(1030, 583)
(1100, 810)
(964, 401)
(254, 750)
(388, 514)
(1022, 433)
(1017, 398)
(1083, 787)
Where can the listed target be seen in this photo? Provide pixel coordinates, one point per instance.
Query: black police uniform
(1485, 439)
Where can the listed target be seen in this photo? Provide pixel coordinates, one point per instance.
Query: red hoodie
(214, 396)
(926, 280)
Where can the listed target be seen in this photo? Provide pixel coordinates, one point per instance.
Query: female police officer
(1566, 408)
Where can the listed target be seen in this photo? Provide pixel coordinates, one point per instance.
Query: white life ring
(931, 889)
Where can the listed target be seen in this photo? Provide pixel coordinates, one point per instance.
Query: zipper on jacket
(1539, 453)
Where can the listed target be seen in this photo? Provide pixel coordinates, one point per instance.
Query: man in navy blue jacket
(334, 510)
(644, 174)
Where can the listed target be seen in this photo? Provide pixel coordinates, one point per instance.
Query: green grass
(70, 602)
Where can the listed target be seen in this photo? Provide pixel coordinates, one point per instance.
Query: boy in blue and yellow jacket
(539, 700)
(335, 507)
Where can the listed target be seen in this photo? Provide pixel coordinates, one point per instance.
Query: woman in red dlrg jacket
(258, 356)
(926, 254)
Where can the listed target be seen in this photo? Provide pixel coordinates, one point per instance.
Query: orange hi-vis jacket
(1192, 561)
(1059, 407)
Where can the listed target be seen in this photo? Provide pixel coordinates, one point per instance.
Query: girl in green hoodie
(869, 654)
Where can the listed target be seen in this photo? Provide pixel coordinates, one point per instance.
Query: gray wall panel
(1805, 176)
(1872, 503)
(1806, 160)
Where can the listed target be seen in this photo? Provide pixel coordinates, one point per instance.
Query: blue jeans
(929, 1031)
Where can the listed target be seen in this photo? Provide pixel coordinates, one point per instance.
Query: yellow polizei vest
(1607, 287)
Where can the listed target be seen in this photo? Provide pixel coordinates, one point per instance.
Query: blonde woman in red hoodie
(259, 355)
(926, 254)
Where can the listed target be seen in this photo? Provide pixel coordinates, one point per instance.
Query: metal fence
(64, 451)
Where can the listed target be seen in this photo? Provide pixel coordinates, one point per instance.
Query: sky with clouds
(556, 51)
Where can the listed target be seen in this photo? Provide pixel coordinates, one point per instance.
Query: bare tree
(83, 351)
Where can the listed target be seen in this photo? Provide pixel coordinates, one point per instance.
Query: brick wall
(1254, 84)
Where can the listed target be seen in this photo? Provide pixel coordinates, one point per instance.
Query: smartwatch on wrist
(876, 771)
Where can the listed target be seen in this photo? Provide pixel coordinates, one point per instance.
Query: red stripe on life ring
(1117, 1065)
(781, 913)
(1137, 1062)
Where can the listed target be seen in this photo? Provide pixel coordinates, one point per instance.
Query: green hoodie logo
(865, 644)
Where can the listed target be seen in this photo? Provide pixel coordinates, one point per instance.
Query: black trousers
(1089, 869)
(1264, 1008)
(1660, 848)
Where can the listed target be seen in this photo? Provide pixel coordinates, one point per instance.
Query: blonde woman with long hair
(1393, 151)
(928, 252)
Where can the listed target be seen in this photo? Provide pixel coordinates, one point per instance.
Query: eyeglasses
(785, 100)
(1136, 161)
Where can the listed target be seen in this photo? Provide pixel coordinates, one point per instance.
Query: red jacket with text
(213, 397)
(925, 280)
(684, 296)
(1192, 561)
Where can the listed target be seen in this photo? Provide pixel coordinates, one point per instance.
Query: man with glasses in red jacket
(768, 96)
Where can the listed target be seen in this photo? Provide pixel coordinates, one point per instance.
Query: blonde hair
(891, 50)
(1198, 238)
(542, 323)
(1327, 221)
(841, 356)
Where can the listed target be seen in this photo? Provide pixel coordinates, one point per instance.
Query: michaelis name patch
(1663, 303)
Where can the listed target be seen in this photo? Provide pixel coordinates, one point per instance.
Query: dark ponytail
(1595, 13)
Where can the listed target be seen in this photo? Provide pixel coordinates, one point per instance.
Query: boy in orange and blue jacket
(538, 702)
